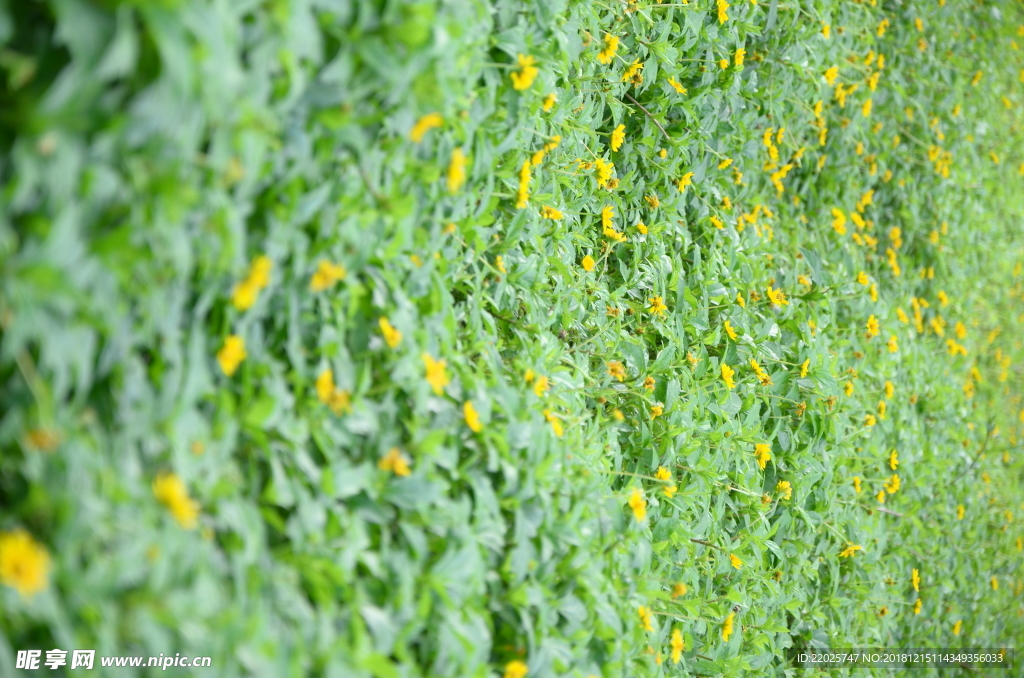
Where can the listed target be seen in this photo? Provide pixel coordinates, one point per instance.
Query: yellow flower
(633, 73)
(472, 418)
(831, 74)
(805, 367)
(717, 222)
(959, 624)
(893, 344)
(588, 263)
(658, 306)
(526, 74)
(685, 181)
(24, 563)
(850, 550)
(893, 484)
(437, 376)
(549, 102)
(729, 330)
(676, 86)
(727, 627)
(856, 484)
(231, 355)
(866, 109)
(740, 300)
(541, 386)
(763, 453)
(677, 646)
(611, 45)
(616, 369)
(777, 297)
(646, 619)
(872, 327)
(960, 512)
(723, 8)
(737, 58)
(727, 375)
(550, 213)
(917, 606)
(556, 423)
(392, 337)
(638, 504)
(328, 394)
(826, 30)
(785, 489)
(735, 561)
(838, 221)
(170, 491)
(326, 275)
(869, 420)
(516, 669)
(862, 278)
(641, 227)
(395, 462)
(618, 136)
(523, 192)
(657, 411)
(848, 388)
(456, 171)
(679, 590)
(425, 124)
(725, 163)
(915, 579)
(894, 460)
(889, 389)
(881, 409)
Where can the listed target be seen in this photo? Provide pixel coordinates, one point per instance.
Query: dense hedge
(476, 338)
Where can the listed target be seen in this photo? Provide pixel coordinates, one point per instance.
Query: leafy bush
(470, 338)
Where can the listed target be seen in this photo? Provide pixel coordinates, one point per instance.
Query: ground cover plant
(510, 338)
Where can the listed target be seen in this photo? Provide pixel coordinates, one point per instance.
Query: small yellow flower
(727, 627)
(556, 423)
(677, 646)
(777, 297)
(805, 367)
(763, 453)
(959, 624)
(549, 102)
(785, 489)
(872, 327)
(550, 213)
(24, 563)
(633, 73)
(425, 124)
(588, 263)
(679, 590)
(831, 74)
(685, 181)
(960, 512)
(740, 300)
(658, 306)
(231, 355)
(326, 275)
(456, 171)
(472, 418)
(917, 606)
(657, 411)
(850, 550)
(618, 136)
(738, 57)
(395, 462)
(638, 504)
(516, 669)
(646, 619)
(856, 484)
(723, 8)
(727, 375)
(676, 86)
(611, 45)
(735, 561)
(616, 369)
(436, 374)
(170, 491)
(894, 460)
(524, 77)
(729, 330)
(392, 337)
(541, 386)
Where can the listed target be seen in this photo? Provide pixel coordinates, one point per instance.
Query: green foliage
(152, 152)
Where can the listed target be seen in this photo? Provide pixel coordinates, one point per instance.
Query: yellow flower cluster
(170, 491)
